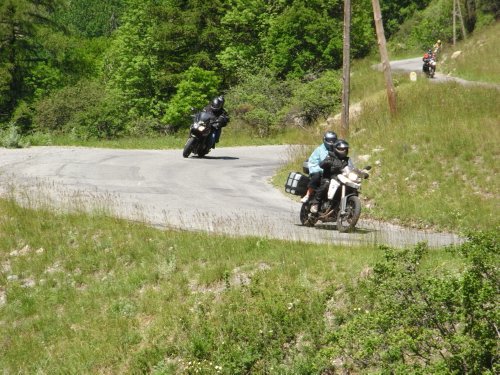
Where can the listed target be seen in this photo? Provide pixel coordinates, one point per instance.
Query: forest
(112, 68)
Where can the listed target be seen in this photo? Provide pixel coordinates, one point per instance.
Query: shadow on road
(333, 227)
(217, 157)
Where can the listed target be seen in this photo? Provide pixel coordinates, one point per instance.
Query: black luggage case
(296, 183)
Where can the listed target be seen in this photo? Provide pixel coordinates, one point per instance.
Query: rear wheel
(188, 147)
(347, 221)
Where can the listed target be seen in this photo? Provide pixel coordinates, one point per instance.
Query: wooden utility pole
(459, 8)
(386, 66)
(454, 22)
(346, 71)
(457, 11)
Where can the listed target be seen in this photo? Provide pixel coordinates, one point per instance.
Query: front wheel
(188, 147)
(347, 221)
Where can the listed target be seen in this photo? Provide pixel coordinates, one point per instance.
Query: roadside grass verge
(87, 293)
(479, 58)
(231, 136)
(435, 164)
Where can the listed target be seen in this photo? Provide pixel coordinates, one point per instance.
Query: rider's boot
(308, 195)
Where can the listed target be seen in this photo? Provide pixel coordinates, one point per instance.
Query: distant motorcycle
(342, 205)
(201, 135)
(429, 67)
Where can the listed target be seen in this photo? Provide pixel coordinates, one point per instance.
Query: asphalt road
(415, 65)
(229, 192)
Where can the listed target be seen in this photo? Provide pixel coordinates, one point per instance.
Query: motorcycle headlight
(353, 176)
(200, 126)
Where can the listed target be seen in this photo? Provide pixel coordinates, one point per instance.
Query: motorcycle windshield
(205, 117)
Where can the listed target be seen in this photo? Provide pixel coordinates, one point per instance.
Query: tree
(196, 88)
(131, 63)
(20, 23)
(188, 34)
(92, 18)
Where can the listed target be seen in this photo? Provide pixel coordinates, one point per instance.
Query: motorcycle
(201, 135)
(343, 205)
(429, 67)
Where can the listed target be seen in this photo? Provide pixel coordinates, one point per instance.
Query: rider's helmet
(329, 140)
(341, 148)
(439, 41)
(217, 103)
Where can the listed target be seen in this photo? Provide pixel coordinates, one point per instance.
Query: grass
(479, 58)
(86, 293)
(435, 163)
(231, 136)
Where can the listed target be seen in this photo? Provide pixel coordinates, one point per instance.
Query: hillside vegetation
(87, 293)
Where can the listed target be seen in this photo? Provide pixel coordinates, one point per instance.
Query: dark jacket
(221, 118)
(333, 165)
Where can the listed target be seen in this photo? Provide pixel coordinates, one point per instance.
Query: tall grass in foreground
(86, 293)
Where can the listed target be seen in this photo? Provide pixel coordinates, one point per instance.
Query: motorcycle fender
(334, 184)
(343, 201)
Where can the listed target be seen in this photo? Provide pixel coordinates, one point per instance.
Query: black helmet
(341, 148)
(329, 140)
(217, 103)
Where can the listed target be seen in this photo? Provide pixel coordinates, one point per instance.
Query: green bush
(314, 99)
(11, 137)
(196, 88)
(257, 102)
(407, 319)
(84, 110)
(425, 27)
(23, 117)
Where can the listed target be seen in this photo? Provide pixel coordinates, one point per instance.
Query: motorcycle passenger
(313, 163)
(221, 118)
(332, 165)
(437, 48)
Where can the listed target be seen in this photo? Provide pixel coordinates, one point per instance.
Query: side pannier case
(296, 183)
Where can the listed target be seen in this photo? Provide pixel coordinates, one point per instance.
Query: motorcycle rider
(428, 56)
(221, 118)
(437, 48)
(313, 163)
(332, 165)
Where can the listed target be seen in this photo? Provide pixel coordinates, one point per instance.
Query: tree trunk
(346, 71)
(386, 66)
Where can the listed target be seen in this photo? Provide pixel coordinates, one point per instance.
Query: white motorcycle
(342, 204)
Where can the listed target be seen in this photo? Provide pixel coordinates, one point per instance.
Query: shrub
(23, 117)
(258, 100)
(11, 137)
(405, 319)
(196, 88)
(314, 99)
(55, 112)
(84, 110)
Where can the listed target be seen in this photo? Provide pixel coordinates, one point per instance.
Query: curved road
(415, 65)
(226, 192)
